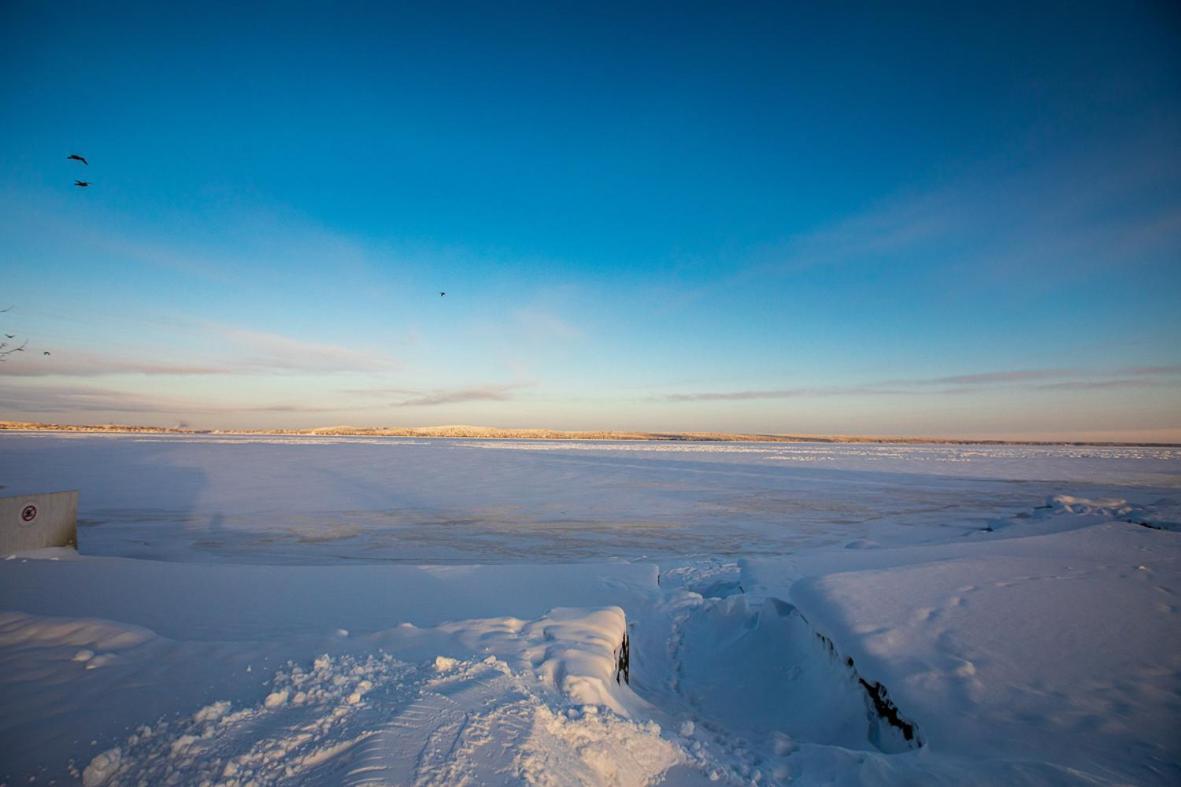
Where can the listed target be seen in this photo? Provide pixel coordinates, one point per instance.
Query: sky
(830, 218)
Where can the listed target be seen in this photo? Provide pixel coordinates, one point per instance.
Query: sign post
(38, 521)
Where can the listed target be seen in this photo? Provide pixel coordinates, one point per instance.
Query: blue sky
(888, 219)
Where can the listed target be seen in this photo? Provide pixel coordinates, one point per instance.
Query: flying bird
(45, 353)
(441, 294)
(10, 336)
(81, 183)
(76, 157)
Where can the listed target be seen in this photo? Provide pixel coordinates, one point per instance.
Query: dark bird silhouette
(6, 351)
(10, 336)
(76, 157)
(441, 294)
(81, 183)
(45, 353)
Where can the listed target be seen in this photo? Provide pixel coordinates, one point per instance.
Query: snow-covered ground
(384, 611)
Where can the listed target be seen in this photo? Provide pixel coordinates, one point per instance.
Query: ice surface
(322, 500)
(383, 611)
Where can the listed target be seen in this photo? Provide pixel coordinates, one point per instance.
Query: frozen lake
(297, 610)
(317, 500)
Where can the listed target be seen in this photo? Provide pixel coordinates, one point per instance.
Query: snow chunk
(212, 712)
(102, 768)
(599, 749)
(276, 699)
(571, 651)
(1068, 511)
(1111, 507)
(101, 660)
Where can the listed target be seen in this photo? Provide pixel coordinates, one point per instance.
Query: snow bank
(1063, 648)
(572, 651)
(546, 710)
(237, 602)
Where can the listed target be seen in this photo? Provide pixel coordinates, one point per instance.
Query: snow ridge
(543, 707)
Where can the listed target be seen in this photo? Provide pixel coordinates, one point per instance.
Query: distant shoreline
(497, 433)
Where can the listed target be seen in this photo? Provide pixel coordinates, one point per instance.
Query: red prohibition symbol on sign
(29, 513)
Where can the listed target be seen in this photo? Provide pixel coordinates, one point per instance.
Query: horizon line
(472, 432)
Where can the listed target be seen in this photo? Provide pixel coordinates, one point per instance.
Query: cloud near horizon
(479, 393)
(1029, 379)
(62, 399)
(246, 351)
(46, 399)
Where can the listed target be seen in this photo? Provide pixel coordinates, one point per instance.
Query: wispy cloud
(242, 351)
(61, 399)
(215, 244)
(984, 378)
(543, 324)
(1163, 370)
(1114, 383)
(276, 352)
(1032, 379)
(883, 232)
(1025, 223)
(767, 393)
(480, 393)
(96, 365)
(83, 399)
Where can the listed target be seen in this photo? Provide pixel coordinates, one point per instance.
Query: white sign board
(37, 521)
